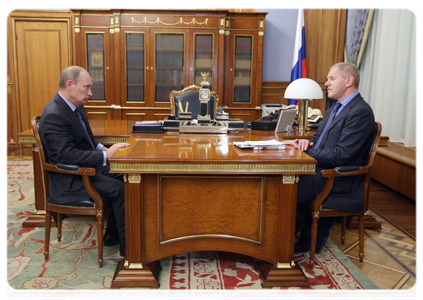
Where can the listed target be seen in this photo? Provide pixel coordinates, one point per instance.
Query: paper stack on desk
(260, 145)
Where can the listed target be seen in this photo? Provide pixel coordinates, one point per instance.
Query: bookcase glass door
(203, 62)
(169, 64)
(242, 69)
(96, 65)
(135, 53)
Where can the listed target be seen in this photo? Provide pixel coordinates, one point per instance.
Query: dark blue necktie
(78, 114)
(331, 117)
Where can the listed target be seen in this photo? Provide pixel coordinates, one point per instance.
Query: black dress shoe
(110, 240)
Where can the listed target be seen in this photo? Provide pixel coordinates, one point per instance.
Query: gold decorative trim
(77, 30)
(224, 168)
(135, 266)
(27, 139)
(112, 30)
(181, 21)
(39, 212)
(76, 20)
(261, 33)
(111, 140)
(221, 31)
(289, 179)
(134, 178)
(286, 265)
(126, 263)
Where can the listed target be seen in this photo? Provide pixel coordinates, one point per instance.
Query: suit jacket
(66, 141)
(346, 143)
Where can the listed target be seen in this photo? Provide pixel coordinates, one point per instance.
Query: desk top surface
(180, 148)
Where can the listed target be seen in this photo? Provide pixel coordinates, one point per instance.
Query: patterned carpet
(73, 261)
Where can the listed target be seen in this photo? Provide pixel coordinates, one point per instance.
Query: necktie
(331, 117)
(78, 114)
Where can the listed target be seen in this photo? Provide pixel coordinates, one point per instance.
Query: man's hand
(112, 150)
(302, 144)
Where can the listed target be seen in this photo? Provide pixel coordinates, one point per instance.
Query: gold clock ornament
(205, 88)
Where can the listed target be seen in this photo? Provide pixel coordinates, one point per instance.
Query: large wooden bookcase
(136, 58)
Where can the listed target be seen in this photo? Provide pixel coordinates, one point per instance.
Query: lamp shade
(303, 88)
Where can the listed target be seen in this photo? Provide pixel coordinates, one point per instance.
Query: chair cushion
(76, 203)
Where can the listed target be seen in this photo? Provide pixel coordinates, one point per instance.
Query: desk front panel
(207, 213)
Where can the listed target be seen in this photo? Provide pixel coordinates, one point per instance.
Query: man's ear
(350, 81)
(69, 84)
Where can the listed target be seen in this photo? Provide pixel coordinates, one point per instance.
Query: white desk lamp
(303, 89)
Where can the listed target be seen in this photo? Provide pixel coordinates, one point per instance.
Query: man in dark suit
(67, 138)
(344, 140)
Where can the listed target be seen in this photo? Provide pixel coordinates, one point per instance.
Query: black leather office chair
(316, 211)
(190, 95)
(92, 207)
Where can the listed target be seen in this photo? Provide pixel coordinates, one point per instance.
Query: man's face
(80, 92)
(336, 85)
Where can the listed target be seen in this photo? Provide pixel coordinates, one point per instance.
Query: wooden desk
(198, 192)
(107, 132)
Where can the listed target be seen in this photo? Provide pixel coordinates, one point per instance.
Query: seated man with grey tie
(341, 140)
(67, 138)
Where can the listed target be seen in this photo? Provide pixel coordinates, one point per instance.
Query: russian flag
(299, 63)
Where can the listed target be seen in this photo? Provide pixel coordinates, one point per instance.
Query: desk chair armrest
(345, 171)
(69, 169)
(331, 174)
(82, 171)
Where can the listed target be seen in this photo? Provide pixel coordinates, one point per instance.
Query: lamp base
(302, 115)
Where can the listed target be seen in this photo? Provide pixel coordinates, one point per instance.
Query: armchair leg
(361, 236)
(59, 226)
(344, 226)
(47, 234)
(100, 240)
(314, 228)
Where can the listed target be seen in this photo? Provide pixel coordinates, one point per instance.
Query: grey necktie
(78, 114)
(331, 117)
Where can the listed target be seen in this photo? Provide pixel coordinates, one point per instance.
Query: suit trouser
(112, 188)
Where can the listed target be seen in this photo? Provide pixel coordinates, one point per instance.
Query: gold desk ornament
(205, 75)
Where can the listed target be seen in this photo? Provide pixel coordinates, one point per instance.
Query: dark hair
(70, 73)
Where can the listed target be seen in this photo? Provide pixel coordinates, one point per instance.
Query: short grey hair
(70, 73)
(348, 69)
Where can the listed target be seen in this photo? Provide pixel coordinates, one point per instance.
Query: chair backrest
(372, 154)
(41, 155)
(190, 95)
